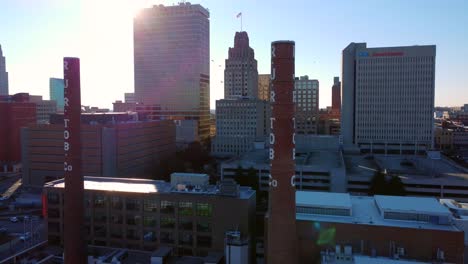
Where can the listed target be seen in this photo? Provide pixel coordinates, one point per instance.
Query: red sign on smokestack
(74, 189)
(281, 244)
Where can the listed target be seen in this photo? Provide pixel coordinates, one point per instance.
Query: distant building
(241, 118)
(44, 108)
(3, 75)
(388, 98)
(306, 99)
(56, 89)
(264, 87)
(343, 227)
(240, 73)
(16, 111)
(172, 62)
(110, 148)
(119, 106)
(186, 132)
(239, 124)
(189, 219)
(130, 98)
(336, 95)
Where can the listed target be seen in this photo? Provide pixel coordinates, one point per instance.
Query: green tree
(381, 185)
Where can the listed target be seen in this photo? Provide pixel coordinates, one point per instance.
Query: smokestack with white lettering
(74, 188)
(282, 239)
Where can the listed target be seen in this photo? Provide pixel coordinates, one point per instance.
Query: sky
(35, 35)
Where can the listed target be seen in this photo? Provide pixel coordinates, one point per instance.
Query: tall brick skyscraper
(3, 75)
(336, 95)
(282, 239)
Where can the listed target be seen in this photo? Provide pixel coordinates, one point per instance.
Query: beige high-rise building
(264, 87)
(306, 99)
(172, 62)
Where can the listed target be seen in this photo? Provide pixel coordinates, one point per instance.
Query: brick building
(146, 214)
(125, 149)
(15, 112)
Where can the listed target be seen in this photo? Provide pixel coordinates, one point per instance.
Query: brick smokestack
(74, 188)
(282, 239)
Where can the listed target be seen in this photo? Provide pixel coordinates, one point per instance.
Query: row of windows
(149, 205)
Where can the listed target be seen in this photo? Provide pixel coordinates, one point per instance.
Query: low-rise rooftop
(323, 199)
(131, 185)
(365, 210)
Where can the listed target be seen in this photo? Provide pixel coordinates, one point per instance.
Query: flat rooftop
(364, 211)
(323, 159)
(131, 185)
(381, 260)
(411, 204)
(323, 199)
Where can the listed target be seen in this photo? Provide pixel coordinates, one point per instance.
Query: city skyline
(108, 69)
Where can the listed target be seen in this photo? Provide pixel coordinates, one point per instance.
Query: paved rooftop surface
(132, 185)
(323, 199)
(364, 211)
(411, 204)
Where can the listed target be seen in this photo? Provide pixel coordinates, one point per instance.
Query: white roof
(380, 260)
(323, 199)
(410, 204)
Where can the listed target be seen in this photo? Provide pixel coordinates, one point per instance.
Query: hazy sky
(36, 34)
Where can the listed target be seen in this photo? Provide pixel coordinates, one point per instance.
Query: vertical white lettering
(272, 153)
(294, 153)
(65, 65)
(271, 122)
(273, 75)
(65, 101)
(66, 146)
(294, 138)
(272, 139)
(293, 180)
(272, 96)
(66, 84)
(273, 49)
(66, 134)
(66, 120)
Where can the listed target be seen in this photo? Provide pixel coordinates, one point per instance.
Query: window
(203, 227)
(185, 224)
(99, 201)
(100, 217)
(116, 232)
(204, 209)
(185, 239)
(116, 219)
(116, 203)
(167, 222)
(133, 234)
(133, 219)
(133, 204)
(149, 221)
(53, 198)
(185, 208)
(149, 236)
(203, 241)
(167, 237)
(167, 207)
(151, 205)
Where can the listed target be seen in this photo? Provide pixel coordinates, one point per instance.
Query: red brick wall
(419, 244)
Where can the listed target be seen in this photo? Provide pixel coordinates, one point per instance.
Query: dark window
(185, 239)
(203, 227)
(53, 198)
(185, 208)
(167, 222)
(151, 205)
(203, 241)
(149, 221)
(167, 237)
(116, 203)
(185, 224)
(133, 204)
(99, 201)
(167, 207)
(204, 209)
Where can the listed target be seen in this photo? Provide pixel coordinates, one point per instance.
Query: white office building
(388, 98)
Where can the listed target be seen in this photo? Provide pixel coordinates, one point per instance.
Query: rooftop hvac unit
(338, 249)
(348, 250)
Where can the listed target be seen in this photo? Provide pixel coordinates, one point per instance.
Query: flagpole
(241, 22)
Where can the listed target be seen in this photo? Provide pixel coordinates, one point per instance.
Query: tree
(396, 186)
(378, 183)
